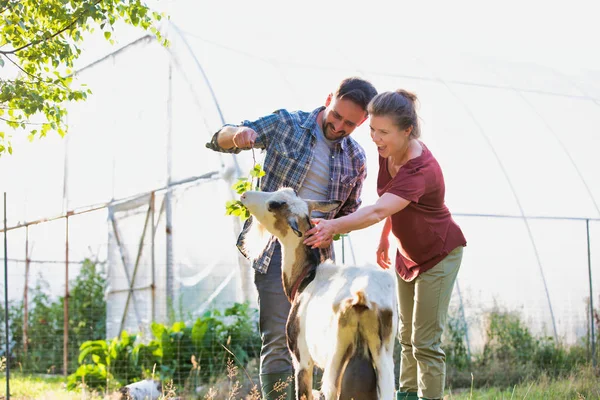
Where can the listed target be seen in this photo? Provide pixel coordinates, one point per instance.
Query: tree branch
(22, 122)
(39, 78)
(35, 42)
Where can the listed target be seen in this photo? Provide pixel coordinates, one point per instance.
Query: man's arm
(233, 138)
(239, 137)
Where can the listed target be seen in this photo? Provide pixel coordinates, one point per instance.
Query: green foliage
(42, 40)
(454, 343)
(87, 320)
(107, 361)
(511, 354)
(178, 352)
(242, 185)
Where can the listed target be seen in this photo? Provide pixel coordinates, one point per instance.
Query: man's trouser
(423, 311)
(276, 368)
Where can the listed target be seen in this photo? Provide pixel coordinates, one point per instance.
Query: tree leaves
(235, 207)
(41, 40)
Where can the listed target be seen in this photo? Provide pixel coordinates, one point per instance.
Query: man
(312, 153)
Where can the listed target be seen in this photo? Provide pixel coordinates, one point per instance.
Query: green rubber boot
(406, 395)
(274, 386)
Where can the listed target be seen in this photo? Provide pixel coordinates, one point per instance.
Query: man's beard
(324, 128)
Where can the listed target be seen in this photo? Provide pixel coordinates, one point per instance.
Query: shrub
(184, 354)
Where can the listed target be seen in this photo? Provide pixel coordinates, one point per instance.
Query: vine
(242, 185)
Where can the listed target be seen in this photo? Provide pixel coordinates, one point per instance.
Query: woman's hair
(400, 106)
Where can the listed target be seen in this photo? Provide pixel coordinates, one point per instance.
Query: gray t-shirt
(316, 183)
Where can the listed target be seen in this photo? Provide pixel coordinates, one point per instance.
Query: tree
(41, 40)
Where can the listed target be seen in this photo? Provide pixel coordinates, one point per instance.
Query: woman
(430, 243)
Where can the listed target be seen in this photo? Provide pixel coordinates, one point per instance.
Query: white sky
(556, 34)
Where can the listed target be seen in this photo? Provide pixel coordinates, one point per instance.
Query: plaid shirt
(289, 139)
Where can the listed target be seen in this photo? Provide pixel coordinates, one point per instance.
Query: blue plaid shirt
(289, 139)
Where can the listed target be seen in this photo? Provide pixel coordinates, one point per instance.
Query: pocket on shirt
(349, 181)
(345, 187)
(287, 149)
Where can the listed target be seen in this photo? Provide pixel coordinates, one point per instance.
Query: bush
(87, 320)
(184, 354)
(511, 355)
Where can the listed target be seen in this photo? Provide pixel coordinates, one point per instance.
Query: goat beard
(255, 239)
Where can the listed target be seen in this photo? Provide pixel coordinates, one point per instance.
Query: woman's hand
(321, 235)
(383, 253)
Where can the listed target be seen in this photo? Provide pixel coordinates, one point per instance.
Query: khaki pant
(423, 307)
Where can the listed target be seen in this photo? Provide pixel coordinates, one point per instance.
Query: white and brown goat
(343, 319)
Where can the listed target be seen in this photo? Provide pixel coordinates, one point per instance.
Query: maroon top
(425, 229)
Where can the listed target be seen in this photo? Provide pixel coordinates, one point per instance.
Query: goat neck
(299, 267)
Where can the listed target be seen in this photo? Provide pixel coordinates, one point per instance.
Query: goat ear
(274, 205)
(293, 223)
(323, 206)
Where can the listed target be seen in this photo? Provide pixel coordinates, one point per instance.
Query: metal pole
(66, 302)
(169, 208)
(589, 259)
(6, 304)
(343, 251)
(153, 206)
(26, 294)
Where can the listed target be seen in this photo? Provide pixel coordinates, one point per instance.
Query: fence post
(66, 302)
(589, 260)
(6, 303)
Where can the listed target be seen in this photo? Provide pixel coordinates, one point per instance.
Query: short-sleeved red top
(425, 229)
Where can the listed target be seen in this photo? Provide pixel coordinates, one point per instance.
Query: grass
(26, 387)
(580, 385)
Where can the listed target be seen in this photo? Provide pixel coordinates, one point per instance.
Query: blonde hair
(400, 106)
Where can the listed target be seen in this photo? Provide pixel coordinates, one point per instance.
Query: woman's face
(389, 138)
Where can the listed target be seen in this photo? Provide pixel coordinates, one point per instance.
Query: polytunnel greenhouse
(136, 189)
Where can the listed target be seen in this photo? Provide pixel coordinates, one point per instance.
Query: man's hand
(244, 138)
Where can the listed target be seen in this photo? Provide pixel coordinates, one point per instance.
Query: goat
(142, 390)
(343, 319)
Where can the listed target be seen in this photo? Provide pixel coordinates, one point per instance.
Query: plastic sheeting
(517, 143)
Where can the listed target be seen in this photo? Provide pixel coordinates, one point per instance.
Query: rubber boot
(274, 386)
(406, 395)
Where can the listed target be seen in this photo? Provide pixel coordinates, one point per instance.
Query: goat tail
(358, 302)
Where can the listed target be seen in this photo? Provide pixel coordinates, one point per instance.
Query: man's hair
(357, 90)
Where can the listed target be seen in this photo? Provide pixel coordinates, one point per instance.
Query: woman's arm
(383, 250)
(364, 217)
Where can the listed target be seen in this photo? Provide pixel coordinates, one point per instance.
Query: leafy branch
(242, 185)
(41, 40)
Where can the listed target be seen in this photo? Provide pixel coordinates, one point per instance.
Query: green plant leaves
(119, 360)
(257, 171)
(242, 185)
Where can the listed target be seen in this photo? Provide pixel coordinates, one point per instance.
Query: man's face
(341, 117)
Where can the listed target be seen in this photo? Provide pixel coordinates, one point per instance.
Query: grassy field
(582, 385)
(25, 387)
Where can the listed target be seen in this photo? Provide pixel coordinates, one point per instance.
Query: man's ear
(328, 101)
(323, 206)
(364, 119)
